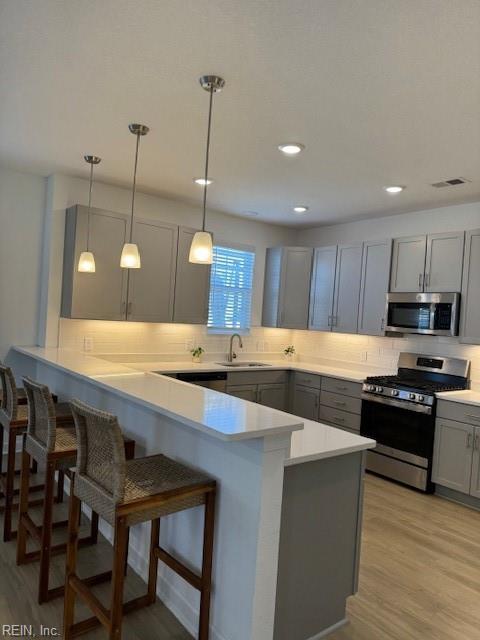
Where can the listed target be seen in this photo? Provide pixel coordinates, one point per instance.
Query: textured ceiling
(380, 92)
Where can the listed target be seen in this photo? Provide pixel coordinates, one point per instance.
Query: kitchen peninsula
(289, 505)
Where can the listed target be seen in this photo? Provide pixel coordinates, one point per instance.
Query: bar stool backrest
(101, 451)
(42, 423)
(9, 406)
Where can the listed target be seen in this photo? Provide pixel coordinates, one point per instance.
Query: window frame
(248, 248)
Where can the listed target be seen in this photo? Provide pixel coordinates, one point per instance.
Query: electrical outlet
(87, 343)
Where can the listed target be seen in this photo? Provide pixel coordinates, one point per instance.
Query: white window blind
(230, 305)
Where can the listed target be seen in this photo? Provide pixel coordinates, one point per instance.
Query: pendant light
(130, 258)
(201, 249)
(86, 262)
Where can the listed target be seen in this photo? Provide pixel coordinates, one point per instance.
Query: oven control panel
(398, 394)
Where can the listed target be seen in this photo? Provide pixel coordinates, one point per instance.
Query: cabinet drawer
(338, 418)
(345, 387)
(337, 401)
(468, 413)
(257, 377)
(307, 379)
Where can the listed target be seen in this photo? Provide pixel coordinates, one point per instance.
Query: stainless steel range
(399, 413)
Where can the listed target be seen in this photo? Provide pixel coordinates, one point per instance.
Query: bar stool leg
(153, 565)
(118, 578)
(71, 563)
(1, 454)
(23, 508)
(207, 566)
(7, 522)
(46, 532)
(34, 466)
(60, 486)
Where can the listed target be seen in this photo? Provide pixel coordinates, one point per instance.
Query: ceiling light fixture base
(212, 82)
(92, 159)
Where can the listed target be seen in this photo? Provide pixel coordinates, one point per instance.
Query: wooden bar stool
(13, 421)
(55, 447)
(126, 493)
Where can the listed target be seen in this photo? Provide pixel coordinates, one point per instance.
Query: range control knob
(411, 396)
(379, 389)
(394, 392)
(421, 398)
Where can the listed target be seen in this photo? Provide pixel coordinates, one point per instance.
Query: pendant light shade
(86, 262)
(130, 258)
(201, 249)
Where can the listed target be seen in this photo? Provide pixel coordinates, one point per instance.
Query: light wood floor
(419, 579)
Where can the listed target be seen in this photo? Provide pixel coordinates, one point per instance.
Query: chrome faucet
(231, 352)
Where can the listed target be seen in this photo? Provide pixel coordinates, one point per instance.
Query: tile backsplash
(174, 341)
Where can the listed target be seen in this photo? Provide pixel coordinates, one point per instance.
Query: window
(230, 303)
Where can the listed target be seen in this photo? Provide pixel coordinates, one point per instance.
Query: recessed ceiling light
(202, 182)
(291, 148)
(300, 209)
(394, 188)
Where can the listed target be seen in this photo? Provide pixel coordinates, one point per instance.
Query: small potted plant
(289, 352)
(197, 354)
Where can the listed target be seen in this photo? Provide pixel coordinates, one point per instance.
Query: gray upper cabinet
(287, 287)
(347, 288)
(470, 325)
(192, 284)
(322, 288)
(452, 458)
(432, 263)
(408, 264)
(100, 295)
(374, 287)
(444, 262)
(151, 289)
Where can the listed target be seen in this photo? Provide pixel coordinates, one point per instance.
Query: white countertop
(343, 373)
(466, 396)
(218, 414)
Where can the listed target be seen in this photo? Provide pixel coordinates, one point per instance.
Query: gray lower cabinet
(340, 403)
(305, 402)
(243, 391)
(287, 287)
(322, 288)
(192, 285)
(272, 395)
(470, 313)
(100, 295)
(151, 289)
(475, 480)
(452, 458)
(408, 264)
(374, 287)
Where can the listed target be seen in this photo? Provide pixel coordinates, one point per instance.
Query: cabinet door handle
(469, 440)
(338, 419)
(129, 308)
(329, 321)
(427, 280)
(383, 325)
(339, 404)
(476, 443)
(341, 388)
(420, 276)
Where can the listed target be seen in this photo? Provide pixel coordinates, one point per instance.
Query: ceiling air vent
(452, 182)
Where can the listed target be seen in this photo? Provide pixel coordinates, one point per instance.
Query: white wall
(453, 218)
(66, 191)
(22, 206)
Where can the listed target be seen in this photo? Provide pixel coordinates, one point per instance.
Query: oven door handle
(399, 404)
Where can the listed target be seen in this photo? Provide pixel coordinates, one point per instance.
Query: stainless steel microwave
(434, 314)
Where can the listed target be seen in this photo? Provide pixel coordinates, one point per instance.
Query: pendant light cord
(89, 207)
(207, 153)
(134, 185)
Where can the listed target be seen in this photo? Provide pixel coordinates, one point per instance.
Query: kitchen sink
(243, 364)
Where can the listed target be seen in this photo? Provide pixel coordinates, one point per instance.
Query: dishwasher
(216, 380)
